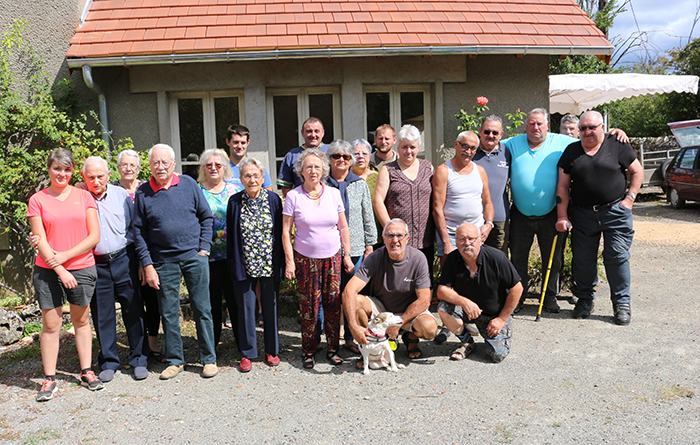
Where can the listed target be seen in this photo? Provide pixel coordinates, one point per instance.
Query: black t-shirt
(601, 178)
(494, 277)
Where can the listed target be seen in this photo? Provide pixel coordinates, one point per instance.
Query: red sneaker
(245, 365)
(273, 360)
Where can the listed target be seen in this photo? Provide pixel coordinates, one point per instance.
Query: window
(289, 109)
(398, 105)
(688, 159)
(199, 121)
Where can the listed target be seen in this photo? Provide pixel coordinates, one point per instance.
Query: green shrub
(10, 301)
(30, 328)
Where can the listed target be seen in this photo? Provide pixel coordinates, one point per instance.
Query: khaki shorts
(378, 308)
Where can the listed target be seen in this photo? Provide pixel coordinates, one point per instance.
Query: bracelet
(346, 254)
(489, 222)
(632, 195)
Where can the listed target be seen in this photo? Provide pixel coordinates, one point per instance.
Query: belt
(598, 207)
(109, 256)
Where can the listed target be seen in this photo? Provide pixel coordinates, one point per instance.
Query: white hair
(166, 146)
(94, 160)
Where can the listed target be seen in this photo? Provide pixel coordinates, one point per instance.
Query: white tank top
(463, 200)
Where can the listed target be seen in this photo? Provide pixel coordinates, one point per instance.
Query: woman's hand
(67, 279)
(58, 259)
(349, 265)
(289, 271)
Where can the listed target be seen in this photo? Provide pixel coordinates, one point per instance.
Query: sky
(668, 23)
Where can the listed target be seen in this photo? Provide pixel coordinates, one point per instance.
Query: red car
(682, 178)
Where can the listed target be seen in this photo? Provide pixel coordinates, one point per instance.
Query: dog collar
(374, 337)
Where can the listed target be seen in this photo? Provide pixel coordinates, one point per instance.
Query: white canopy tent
(576, 93)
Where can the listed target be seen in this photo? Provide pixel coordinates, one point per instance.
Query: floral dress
(256, 234)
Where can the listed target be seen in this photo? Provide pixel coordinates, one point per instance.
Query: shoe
(551, 306)
(442, 336)
(48, 389)
(245, 365)
(463, 350)
(583, 308)
(171, 371)
(623, 313)
(89, 380)
(106, 375)
(573, 300)
(140, 372)
(272, 360)
(210, 370)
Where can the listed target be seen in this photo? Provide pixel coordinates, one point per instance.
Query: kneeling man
(398, 281)
(478, 285)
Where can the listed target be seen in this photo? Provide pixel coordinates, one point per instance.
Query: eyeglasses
(249, 176)
(128, 166)
(360, 154)
(337, 156)
(164, 164)
(467, 146)
(493, 132)
(214, 165)
(398, 236)
(467, 240)
(588, 127)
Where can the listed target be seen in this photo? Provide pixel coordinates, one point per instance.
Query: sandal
(309, 361)
(412, 349)
(158, 357)
(352, 347)
(463, 351)
(334, 358)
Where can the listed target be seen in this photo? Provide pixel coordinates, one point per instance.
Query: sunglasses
(215, 165)
(337, 156)
(588, 127)
(467, 146)
(493, 132)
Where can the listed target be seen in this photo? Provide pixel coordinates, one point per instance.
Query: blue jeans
(522, 232)
(615, 224)
(195, 270)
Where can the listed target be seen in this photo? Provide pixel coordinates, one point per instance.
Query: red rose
(481, 100)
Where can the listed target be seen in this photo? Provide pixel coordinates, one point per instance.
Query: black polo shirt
(495, 276)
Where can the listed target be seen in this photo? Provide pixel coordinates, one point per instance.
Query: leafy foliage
(473, 121)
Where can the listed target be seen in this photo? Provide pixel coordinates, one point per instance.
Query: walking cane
(549, 269)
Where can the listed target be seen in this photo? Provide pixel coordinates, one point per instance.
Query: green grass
(676, 391)
(42, 435)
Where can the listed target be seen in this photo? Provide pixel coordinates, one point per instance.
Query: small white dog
(377, 353)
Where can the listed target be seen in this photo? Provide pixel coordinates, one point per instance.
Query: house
(181, 71)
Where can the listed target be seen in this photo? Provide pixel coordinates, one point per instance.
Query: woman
(404, 190)
(255, 254)
(129, 166)
(315, 260)
(214, 171)
(65, 220)
(358, 211)
(362, 167)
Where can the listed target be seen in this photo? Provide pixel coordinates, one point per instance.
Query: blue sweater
(171, 225)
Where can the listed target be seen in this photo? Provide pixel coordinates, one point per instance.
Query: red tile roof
(128, 29)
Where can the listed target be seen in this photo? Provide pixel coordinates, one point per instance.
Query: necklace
(314, 195)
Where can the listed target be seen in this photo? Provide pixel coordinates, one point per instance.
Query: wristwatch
(489, 222)
(632, 195)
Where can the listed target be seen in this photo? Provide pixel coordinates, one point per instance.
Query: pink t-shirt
(65, 224)
(317, 233)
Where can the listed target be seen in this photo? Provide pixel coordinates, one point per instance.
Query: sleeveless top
(463, 200)
(411, 201)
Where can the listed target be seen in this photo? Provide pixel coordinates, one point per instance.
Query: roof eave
(383, 51)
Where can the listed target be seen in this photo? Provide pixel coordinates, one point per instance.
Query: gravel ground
(565, 381)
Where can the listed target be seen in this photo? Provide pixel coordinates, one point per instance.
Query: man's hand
(621, 135)
(628, 202)
(34, 240)
(392, 332)
(471, 309)
(495, 326)
(485, 231)
(359, 334)
(447, 247)
(67, 279)
(563, 225)
(152, 278)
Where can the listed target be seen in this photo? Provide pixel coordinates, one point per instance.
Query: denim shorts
(50, 292)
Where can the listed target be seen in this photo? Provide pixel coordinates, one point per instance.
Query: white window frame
(208, 116)
(302, 95)
(395, 110)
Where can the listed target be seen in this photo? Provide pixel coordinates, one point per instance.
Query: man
(312, 131)
(399, 282)
(117, 274)
(479, 285)
(569, 125)
(237, 140)
(594, 199)
(460, 194)
(173, 231)
(534, 158)
(494, 157)
(384, 139)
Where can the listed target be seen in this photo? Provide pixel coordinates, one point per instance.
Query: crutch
(549, 269)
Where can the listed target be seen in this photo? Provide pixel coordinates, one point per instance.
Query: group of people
(233, 239)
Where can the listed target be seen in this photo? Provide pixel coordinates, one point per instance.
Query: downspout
(87, 78)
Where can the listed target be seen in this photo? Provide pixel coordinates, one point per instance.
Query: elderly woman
(315, 260)
(65, 220)
(255, 255)
(404, 190)
(129, 166)
(214, 171)
(358, 211)
(362, 167)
